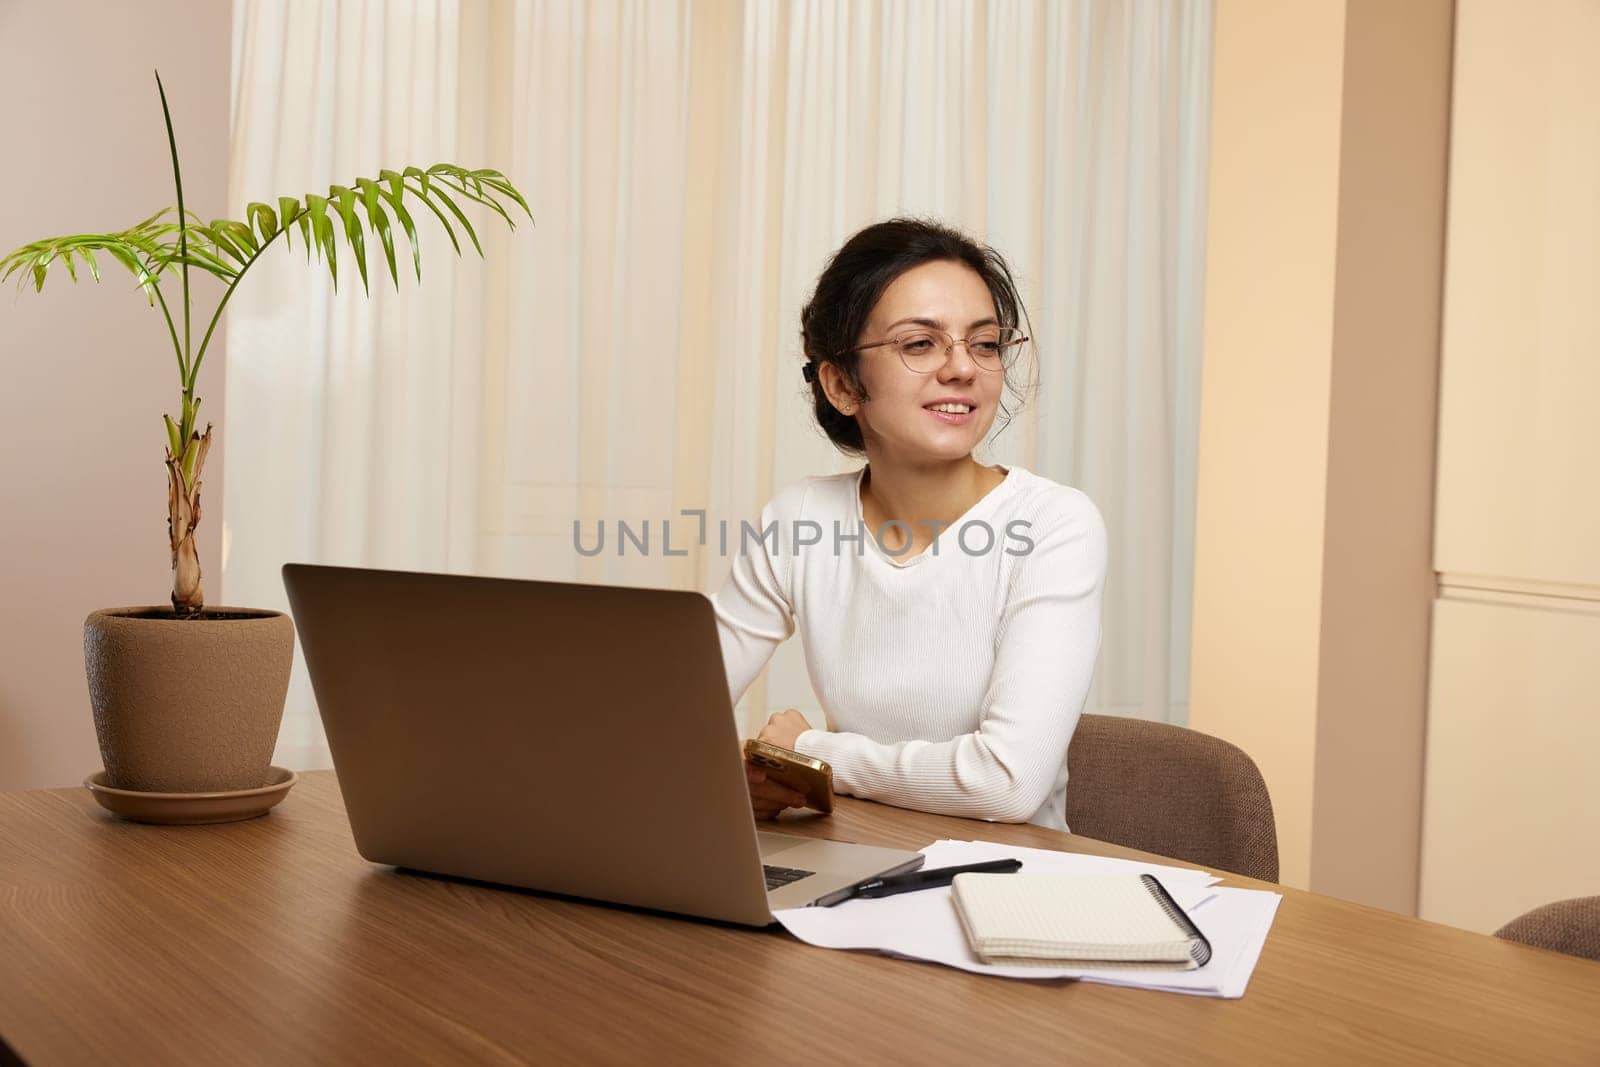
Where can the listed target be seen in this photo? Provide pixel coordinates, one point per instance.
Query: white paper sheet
(924, 925)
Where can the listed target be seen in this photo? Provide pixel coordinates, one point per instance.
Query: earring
(848, 409)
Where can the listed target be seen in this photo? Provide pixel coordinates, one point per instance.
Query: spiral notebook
(1122, 919)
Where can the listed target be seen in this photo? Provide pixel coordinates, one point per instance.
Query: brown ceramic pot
(187, 705)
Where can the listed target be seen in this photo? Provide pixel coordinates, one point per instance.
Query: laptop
(574, 739)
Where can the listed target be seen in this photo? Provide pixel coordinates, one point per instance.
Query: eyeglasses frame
(1021, 339)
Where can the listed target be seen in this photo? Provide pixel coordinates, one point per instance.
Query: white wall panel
(1511, 808)
(1518, 437)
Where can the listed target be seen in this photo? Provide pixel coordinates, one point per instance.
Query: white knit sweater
(952, 680)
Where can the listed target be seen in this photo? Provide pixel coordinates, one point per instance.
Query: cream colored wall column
(1313, 574)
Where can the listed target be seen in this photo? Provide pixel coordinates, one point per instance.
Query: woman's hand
(785, 728)
(768, 798)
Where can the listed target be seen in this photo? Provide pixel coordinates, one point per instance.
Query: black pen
(910, 883)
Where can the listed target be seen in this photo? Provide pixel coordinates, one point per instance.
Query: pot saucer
(188, 809)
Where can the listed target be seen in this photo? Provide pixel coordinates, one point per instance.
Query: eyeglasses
(924, 350)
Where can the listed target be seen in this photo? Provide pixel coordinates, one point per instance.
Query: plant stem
(183, 217)
(183, 371)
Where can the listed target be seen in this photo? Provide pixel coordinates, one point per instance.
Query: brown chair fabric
(1570, 926)
(1173, 791)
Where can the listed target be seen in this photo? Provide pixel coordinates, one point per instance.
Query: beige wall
(87, 369)
(1377, 564)
(1272, 231)
(1312, 573)
(1512, 816)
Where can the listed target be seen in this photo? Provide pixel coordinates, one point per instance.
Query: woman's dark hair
(849, 288)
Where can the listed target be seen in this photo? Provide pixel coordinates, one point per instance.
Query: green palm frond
(365, 212)
(225, 248)
(134, 249)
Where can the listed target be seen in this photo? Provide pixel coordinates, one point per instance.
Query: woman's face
(901, 421)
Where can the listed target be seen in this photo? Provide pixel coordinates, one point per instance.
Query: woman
(950, 610)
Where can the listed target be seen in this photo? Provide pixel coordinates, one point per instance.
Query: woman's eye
(988, 348)
(916, 345)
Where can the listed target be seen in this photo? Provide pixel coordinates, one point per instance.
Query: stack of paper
(924, 925)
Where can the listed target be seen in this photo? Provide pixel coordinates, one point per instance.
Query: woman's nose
(958, 363)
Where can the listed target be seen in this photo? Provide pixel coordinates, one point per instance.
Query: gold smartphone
(813, 777)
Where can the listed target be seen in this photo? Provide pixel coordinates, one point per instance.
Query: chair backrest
(1570, 926)
(1172, 791)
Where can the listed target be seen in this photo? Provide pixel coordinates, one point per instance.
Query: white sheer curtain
(635, 353)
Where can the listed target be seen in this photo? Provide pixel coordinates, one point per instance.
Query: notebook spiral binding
(1201, 950)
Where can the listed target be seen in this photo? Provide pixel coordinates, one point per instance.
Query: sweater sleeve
(1046, 646)
(754, 607)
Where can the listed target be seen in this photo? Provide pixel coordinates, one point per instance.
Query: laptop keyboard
(778, 877)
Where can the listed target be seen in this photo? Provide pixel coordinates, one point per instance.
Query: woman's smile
(955, 411)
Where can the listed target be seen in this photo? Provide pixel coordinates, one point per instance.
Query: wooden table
(273, 941)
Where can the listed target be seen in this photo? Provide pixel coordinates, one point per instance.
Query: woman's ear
(837, 390)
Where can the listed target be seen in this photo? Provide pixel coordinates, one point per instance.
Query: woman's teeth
(951, 409)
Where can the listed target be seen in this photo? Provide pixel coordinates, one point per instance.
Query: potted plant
(188, 699)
